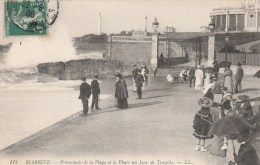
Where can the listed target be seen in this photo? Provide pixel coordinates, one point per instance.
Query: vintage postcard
(129, 82)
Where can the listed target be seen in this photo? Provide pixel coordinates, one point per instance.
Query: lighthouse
(99, 24)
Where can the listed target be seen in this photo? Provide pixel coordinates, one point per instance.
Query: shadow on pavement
(250, 89)
(151, 97)
(137, 105)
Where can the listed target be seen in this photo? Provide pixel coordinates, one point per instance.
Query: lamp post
(155, 46)
(155, 25)
(211, 25)
(226, 49)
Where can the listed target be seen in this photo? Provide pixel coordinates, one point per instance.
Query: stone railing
(131, 39)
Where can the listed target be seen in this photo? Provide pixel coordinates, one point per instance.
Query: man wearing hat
(239, 76)
(216, 90)
(85, 92)
(246, 108)
(95, 92)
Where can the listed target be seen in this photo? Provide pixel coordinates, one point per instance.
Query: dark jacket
(216, 89)
(239, 74)
(215, 67)
(95, 87)
(121, 89)
(85, 91)
(135, 73)
(139, 80)
(192, 72)
(246, 155)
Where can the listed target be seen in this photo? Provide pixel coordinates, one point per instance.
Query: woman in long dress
(121, 92)
(199, 75)
(207, 79)
(228, 80)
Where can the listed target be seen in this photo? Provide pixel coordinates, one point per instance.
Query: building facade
(237, 19)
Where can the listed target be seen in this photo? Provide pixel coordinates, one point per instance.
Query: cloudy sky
(79, 17)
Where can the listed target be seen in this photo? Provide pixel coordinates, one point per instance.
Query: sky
(80, 17)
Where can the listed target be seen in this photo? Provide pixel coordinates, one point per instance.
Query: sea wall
(76, 69)
(131, 52)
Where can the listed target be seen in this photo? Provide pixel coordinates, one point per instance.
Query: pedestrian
(139, 84)
(247, 154)
(192, 76)
(146, 75)
(135, 73)
(85, 92)
(202, 123)
(239, 76)
(121, 92)
(95, 93)
(199, 76)
(228, 80)
(216, 69)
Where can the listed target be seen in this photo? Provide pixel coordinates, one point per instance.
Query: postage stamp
(26, 17)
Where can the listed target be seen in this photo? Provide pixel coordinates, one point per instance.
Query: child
(202, 123)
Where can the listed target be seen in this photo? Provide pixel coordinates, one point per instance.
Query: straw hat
(205, 102)
(243, 97)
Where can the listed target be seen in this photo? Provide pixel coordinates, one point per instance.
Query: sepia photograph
(130, 82)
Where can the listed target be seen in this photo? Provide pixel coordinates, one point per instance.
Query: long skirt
(122, 103)
(228, 82)
(215, 148)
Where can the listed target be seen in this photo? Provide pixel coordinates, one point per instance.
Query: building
(236, 19)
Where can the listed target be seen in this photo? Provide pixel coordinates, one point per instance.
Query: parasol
(208, 70)
(257, 74)
(224, 64)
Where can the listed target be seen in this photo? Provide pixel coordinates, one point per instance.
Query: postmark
(25, 17)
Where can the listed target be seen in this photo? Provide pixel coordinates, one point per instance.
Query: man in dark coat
(135, 73)
(192, 76)
(95, 92)
(139, 84)
(85, 92)
(238, 78)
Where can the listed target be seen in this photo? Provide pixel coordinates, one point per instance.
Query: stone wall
(76, 69)
(131, 52)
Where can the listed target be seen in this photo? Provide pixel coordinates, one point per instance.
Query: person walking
(135, 73)
(228, 80)
(146, 75)
(85, 92)
(192, 76)
(202, 123)
(199, 77)
(139, 84)
(121, 92)
(239, 76)
(95, 93)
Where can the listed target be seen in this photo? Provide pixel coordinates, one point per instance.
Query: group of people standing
(140, 79)
(211, 112)
(85, 92)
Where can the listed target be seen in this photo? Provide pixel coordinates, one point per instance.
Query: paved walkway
(158, 127)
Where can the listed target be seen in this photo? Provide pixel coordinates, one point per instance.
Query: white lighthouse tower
(99, 24)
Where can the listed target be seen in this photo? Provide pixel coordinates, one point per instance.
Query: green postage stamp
(26, 17)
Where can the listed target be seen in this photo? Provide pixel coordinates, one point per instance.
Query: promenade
(157, 127)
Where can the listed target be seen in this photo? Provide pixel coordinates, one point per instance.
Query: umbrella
(257, 74)
(208, 70)
(228, 126)
(223, 64)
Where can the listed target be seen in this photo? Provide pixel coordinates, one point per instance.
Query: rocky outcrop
(76, 69)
